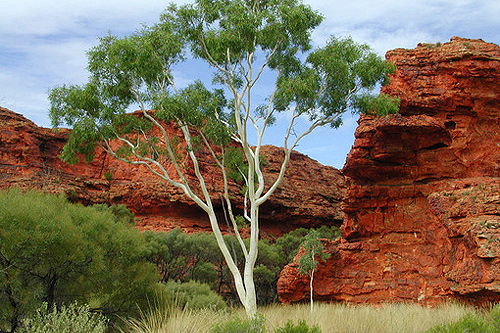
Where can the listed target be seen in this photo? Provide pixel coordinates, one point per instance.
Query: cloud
(52, 17)
(390, 24)
(44, 44)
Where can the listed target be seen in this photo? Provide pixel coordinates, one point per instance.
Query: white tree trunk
(311, 292)
(311, 286)
(245, 286)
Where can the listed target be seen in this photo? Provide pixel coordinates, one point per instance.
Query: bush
(57, 252)
(301, 327)
(237, 325)
(469, 323)
(194, 295)
(74, 318)
(183, 257)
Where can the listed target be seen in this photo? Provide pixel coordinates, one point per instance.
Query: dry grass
(400, 318)
(331, 318)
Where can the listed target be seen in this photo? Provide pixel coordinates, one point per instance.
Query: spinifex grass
(331, 318)
(342, 318)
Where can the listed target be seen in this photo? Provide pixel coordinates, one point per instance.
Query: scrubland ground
(330, 318)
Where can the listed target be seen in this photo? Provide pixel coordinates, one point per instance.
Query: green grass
(330, 318)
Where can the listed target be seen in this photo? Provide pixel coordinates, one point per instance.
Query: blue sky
(43, 45)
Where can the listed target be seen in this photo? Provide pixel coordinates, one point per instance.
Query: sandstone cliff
(423, 206)
(29, 159)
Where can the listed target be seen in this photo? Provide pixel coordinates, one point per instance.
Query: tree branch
(226, 193)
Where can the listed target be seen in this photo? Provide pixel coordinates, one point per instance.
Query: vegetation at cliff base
(481, 322)
(181, 257)
(74, 266)
(54, 253)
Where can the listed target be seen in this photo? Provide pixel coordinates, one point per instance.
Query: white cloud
(50, 17)
(389, 24)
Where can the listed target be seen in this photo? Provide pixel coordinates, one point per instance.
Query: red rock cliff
(310, 194)
(423, 206)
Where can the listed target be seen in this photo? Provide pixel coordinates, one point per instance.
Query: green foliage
(220, 32)
(289, 244)
(181, 257)
(121, 213)
(383, 105)
(495, 317)
(56, 252)
(485, 322)
(134, 69)
(70, 319)
(108, 175)
(308, 261)
(235, 164)
(237, 325)
(194, 295)
(469, 323)
(197, 107)
(229, 35)
(301, 327)
(313, 253)
(334, 79)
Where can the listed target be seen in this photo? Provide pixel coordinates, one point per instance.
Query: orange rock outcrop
(423, 205)
(310, 194)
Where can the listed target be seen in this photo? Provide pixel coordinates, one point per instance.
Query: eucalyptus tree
(247, 43)
(309, 260)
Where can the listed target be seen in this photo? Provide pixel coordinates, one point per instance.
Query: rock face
(29, 159)
(423, 205)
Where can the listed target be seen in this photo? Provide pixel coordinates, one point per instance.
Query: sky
(43, 45)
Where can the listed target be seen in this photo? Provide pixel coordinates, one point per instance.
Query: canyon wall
(29, 159)
(423, 202)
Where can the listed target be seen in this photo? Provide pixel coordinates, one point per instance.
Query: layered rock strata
(423, 205)
(29, 159)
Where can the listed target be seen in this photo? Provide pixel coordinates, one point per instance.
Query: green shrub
(469, 323)
(194, 295)
(183, 257)
(237, 325)
(57, 252)
(301, 327)
(121, 214)
(70, 319)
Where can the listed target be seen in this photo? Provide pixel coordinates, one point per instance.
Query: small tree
(308, 262)
(56, 252)
(243, 41)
